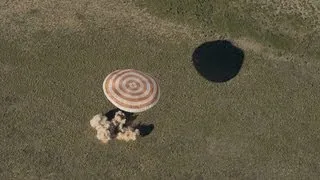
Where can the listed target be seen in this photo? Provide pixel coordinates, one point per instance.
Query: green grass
(283, 25)
(262, 124)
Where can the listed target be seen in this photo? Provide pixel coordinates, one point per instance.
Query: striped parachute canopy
(131, 90)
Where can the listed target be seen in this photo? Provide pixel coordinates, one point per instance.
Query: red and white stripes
(131, 90)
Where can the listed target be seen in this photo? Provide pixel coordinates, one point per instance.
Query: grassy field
(262, 124)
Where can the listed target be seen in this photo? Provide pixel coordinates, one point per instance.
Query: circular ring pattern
(131, 90)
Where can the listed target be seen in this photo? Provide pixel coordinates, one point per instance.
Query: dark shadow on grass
(218, 61)
(145, 129)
